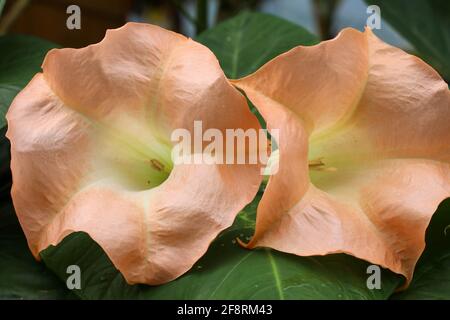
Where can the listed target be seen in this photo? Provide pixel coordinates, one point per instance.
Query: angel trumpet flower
(364, 153)
(90, 144)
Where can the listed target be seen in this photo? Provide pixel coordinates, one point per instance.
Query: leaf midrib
(276, 274)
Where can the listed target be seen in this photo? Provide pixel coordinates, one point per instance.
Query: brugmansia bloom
(91, 151)
(364, 150)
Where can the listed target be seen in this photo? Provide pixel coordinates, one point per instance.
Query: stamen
(316, 163)
(157, 165)
(319, 165)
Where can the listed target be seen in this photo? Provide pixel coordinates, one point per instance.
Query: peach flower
(91, 151)
(364, 150)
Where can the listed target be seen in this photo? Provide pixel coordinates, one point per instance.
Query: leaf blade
(425, 24)
(432, 276)
(241, 43)
(20, 58)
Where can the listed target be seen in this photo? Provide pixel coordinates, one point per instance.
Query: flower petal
(82, 141)
(382, 139)
(322, 84)
(403, 111)
(149, 72)
(292, 173)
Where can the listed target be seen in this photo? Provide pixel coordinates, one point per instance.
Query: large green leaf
(244, 43)
(227, 271)
(432, 276)
(20, 58)
(21, 276)
(426, 25)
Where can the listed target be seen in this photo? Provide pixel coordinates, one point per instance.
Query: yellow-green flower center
(132, 157)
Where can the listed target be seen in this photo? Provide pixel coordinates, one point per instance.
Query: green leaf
(244, 43)
(21, 276)
(227, 271)
(425, 24)
(20, 59)
(432, 276)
